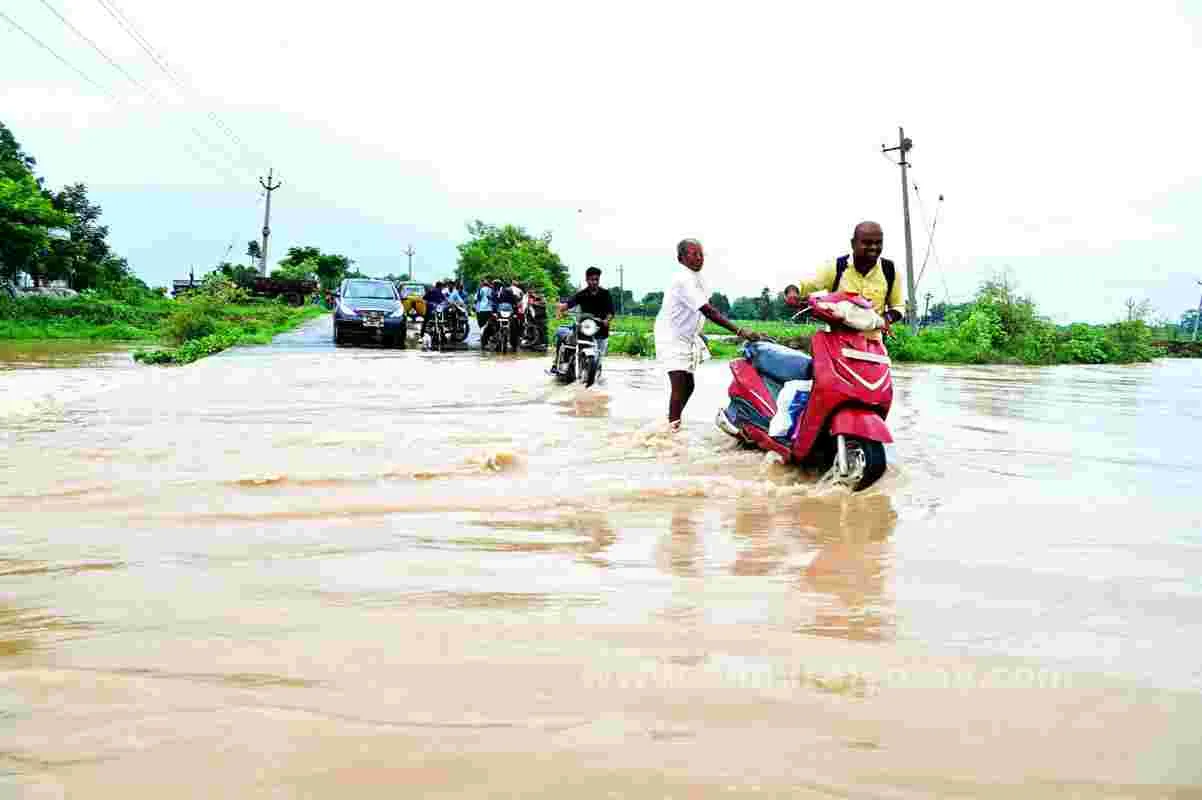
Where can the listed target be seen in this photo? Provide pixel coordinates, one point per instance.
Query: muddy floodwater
(309, 571)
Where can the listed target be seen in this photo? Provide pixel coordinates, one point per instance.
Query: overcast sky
(1064, 135)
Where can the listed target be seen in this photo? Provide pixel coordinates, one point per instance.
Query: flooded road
(301, 571)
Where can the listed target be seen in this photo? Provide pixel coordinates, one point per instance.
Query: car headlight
(589, 327)
(400, 312)
(347, 310)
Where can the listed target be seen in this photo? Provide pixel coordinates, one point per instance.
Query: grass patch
(635, 336)
(224, 326)
(218, 316)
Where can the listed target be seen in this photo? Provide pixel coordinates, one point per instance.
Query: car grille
(372, 316)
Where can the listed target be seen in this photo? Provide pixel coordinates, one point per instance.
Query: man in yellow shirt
(863, 272)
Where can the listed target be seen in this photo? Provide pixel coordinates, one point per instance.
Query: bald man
(862, 271)
(678, 325)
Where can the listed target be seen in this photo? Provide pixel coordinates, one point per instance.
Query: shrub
(193, 318)
(1130, 341)
(191, 350)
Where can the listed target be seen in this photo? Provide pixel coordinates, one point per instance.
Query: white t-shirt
(680, 316)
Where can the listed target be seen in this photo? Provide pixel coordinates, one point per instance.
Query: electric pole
(621, 289)
(926, 316)
(904, 146)
(1194, 338)
(270, 187)
(409, 251)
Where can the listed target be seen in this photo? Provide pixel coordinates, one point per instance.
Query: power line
(930, 231)
(206, 162)
(161, 62)
(145, 89)
(61, 60)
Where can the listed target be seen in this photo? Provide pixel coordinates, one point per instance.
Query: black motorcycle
(533, 326)
(460, 327)
(503, 326)
(437, 329)
(577, 357)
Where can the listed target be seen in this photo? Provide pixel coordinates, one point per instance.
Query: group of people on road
(444, 291)
(686, 307)
(494, 295)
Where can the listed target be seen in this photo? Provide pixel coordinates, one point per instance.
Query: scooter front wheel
(863, 463)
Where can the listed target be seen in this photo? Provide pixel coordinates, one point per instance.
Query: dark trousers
(483, 318)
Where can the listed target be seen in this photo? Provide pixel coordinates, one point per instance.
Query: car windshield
(373, 290)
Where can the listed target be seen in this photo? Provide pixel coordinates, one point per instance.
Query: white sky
(1064, 135)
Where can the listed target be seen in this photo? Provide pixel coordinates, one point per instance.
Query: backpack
(886, 267)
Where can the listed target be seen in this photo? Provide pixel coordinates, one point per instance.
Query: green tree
(253, 252)
(83, 258)
(623, 301)
(651, 304)
(1187, 321)
(745, 308)
(303, 271)
(507, 252)
(14, 161)
(764, 304)
(720, 302)
(27, 214)
(240, 275)
(330, 268)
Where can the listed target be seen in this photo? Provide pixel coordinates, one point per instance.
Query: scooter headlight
(589, 327)
(505, 313)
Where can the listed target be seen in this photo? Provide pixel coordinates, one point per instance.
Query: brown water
(301, 571)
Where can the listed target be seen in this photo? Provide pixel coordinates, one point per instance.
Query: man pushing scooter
(827, 409)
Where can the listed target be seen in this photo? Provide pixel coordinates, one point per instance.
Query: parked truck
(294, 291)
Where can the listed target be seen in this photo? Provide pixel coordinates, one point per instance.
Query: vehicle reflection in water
(851, 569)
(679, 551)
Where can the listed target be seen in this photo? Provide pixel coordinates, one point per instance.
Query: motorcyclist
(434, 297)
(863, 271)
(510, 296)
(594, 301)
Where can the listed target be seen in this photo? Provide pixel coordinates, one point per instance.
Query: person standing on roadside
(485, 299)
(678, 344)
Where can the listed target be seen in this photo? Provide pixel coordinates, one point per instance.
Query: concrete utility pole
(904, 146)
(270, 187)
(1199, 314)
(621, 289)
(926, 315)
(409, 251)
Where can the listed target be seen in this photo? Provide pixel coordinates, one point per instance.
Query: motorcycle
(841, 426)
(438, 331)
(533, 323)
(502, 333)
(576, 357)
(460, 327)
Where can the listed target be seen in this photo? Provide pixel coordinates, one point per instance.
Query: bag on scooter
(789, 404)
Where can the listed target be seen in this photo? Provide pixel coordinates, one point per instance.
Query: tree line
(767, 306)
(48, 234)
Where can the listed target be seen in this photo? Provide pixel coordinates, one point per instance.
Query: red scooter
(843, 422)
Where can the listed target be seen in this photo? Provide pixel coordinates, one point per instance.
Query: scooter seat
(780, 363)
